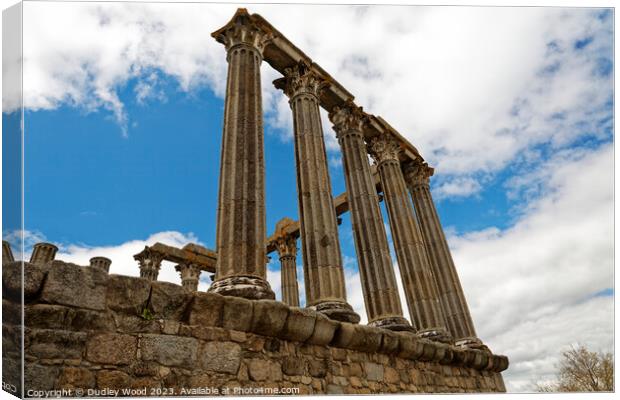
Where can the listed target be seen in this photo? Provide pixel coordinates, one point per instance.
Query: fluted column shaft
(287, 251)
(379, 287)
(418, 281)
(324, 274)
(241, 235)
(451, 294)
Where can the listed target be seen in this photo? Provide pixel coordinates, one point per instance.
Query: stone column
(451, 294)
(190, 276)
(418, 281)
(149, 262)
(7, 254)
(287, 251)
(241, 231)
(373, 253)
(102, 263)
(42, 253)
(324, 275)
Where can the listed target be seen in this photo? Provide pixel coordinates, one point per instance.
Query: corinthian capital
(243, 30)
(348, 118)
(287, 246)
(383, 148)
(417, 173)
(300, 79)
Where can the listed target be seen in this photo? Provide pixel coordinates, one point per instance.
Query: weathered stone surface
(39, 377)
(334, 389)
(135, 324)
(206, 309)
(237, 314)
(169, 301)
(317, 368)
(47, 316)
(34, 275)
(366, 339)
(112, 379)
(169, 350)
(73, 378)
(223, 357)
(112, 348)
(210, 333)
(54, 343)
(127, 294)
(87, 320)
(390, 375)
(294, 366)
(262, 370)
(374, 372)
(324, 329)
(72, 285)
(299, 324)
(11, 312)
(268, 317)
(410, 347)
(389, 342)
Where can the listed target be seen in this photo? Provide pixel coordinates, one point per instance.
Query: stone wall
(93, 333)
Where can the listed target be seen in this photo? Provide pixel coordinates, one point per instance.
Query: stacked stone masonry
(85, 329)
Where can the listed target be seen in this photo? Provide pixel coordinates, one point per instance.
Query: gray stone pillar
(287, 251)
(190, 276)
(241, 235)
(373, 253)
(451, 294)
(42, 253)
(149, 262)
(102, 263)
(418, 281)
(324, 274)
(7, 254)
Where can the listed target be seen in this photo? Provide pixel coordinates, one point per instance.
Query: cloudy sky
(512, 106)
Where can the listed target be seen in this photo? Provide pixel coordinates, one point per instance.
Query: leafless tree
(581, 370)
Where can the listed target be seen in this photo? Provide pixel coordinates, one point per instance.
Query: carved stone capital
(417, 173)
(243, 30)
(149, 262)
(384, 148)
(190, 275)
(348, 118)
(286, 246)
(300, 79)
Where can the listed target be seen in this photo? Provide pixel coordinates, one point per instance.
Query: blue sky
(123, 129)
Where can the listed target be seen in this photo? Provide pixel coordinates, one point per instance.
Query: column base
(249, 287)
(337, 310)
(472, 343)
(437, 335)
(393, 324)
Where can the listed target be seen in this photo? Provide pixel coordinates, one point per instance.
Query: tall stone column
(149, 262)
(418, 281)
(373, 253)
(241, 235)
(287, 251)
(324, 274)
(190, 276)
(7, 254)
(452, 298)
(43, 253)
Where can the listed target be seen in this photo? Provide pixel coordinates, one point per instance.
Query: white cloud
(531, 288)
(122, 255)
(472, 87)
